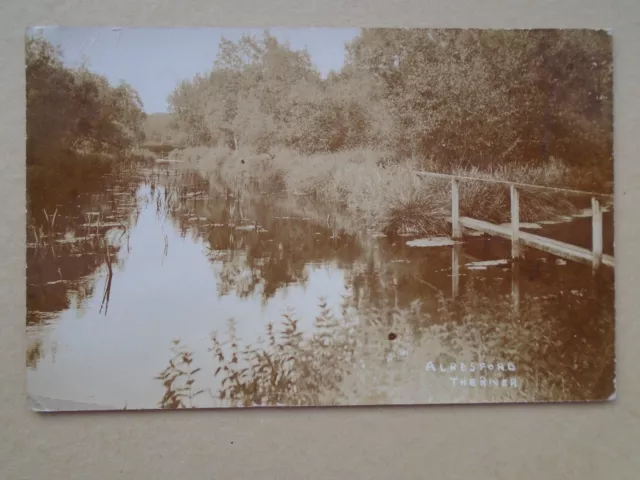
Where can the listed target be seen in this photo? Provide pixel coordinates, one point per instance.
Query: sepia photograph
(302, 217)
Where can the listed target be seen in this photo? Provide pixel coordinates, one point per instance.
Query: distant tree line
(463, 96)
(159, 131)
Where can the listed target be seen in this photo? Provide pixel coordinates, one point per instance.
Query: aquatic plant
(178, 379)
(386, 195)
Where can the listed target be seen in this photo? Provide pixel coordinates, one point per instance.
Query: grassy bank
(381, 193)
(65, 174)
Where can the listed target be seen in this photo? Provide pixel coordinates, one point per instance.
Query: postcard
(287, 217)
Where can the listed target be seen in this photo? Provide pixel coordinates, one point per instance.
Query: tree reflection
(273, 249)
(252, 241)
(67, 244)
(35, 352)
(372, 352)
(397, 314)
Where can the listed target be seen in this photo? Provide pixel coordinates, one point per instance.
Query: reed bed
(383, 193)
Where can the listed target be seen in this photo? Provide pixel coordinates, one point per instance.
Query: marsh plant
(285, 368)
(178, 379)
(390, 196)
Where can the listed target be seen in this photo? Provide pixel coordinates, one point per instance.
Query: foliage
(178, 379)
(160, 129)
(469, 98)
(287, 368)
(494, 96)
(389, 198)
(247, 98)
(74, 109)
(77, 123)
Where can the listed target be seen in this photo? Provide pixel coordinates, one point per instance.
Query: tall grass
(492, 201)
(381, 193)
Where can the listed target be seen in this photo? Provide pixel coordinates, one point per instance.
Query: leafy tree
(476, 97)
(78, 125)
(161, 129)
(71, 111)
(483, 96)
(248, 97)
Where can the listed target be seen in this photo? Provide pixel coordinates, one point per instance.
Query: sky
(155, 60)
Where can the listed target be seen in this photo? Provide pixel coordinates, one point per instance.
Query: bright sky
(154, 60)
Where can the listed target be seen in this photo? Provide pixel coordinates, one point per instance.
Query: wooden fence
(595, 256)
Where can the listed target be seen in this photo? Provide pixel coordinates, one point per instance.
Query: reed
(381, 192)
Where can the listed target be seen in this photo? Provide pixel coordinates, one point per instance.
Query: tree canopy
(74, 111)
(458, 96)
(493, 95)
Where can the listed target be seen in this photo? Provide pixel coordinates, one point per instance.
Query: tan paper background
(494, 442)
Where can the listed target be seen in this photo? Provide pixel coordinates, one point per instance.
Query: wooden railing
(595, 256)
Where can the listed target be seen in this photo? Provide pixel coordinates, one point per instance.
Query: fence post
(455, 209)
(596, 232)
(515, 222)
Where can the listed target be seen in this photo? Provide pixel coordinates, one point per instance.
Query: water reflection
(165, 290)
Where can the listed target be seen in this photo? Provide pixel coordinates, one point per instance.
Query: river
(158, 290)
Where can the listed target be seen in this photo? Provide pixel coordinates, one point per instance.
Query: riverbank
(382, 194)
(385, 305)
(66, 174)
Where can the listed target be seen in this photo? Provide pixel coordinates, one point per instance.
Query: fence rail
(568, 191)
(595, 256)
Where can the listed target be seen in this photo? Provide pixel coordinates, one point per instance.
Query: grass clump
(492, 201)
(382, 193)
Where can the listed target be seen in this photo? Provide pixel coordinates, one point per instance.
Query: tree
(475, 97)
(482, 96)
(246, 98)
(73, 111)
(78, 125)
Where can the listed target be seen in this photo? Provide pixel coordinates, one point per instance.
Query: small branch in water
(124, 227)
(166, 247)
(107, 289)
(107, 294)
(424, 282)
(35, 236)
(53, 220)
(109, 260)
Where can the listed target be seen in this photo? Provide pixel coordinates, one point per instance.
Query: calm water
(159, 290)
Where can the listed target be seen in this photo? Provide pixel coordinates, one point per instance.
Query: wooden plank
(561, 249)
(456, 231)
(596, 229)
(555, 247)
(486, 227)
(515, 222)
